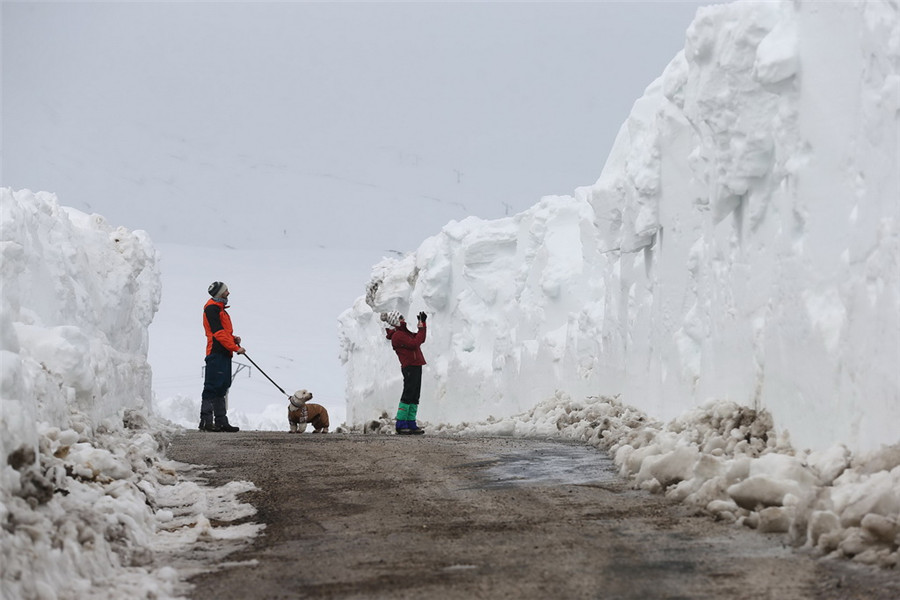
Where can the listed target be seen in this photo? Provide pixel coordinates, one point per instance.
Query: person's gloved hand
(422, 316)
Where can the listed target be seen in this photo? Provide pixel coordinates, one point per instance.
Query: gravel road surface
(386, 516)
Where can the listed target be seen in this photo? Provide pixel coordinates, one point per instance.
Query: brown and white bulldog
(301, 412)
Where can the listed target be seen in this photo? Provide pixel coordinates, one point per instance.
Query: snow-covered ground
(720, 311)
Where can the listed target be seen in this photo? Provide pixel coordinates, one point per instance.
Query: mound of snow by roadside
(100, 513)
(89, 505)
(729, 461)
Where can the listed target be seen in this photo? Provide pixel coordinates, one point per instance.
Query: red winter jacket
(407, 345)
(219, 332)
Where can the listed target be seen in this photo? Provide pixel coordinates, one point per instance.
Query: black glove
(422, 316)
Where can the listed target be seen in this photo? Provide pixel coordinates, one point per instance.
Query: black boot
(208, 426)
(224, 426)
(219, 410)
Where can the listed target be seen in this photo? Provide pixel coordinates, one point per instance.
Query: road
(386, 516)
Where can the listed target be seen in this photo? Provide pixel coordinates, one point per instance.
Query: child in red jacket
(407, 345)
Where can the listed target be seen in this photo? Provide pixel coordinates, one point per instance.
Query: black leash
(267, 377)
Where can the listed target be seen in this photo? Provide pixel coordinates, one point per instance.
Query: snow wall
(90, 506)
(76, 300)
(742, 243)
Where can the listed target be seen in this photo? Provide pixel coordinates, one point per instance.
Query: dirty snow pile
(89, 507)
(730, 461)
(740, 252)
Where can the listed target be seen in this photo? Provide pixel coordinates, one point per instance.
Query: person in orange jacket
(221, 345)
(407, 345)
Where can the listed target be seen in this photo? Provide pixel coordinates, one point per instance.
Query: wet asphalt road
(384, 516)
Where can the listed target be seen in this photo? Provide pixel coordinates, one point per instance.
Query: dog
(301, 411)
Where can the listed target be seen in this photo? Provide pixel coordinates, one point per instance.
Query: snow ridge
(89, 506)
(740, 245)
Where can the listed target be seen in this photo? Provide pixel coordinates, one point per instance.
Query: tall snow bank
(508, 323)
(742, 243)
(89, 506)
(77, 299)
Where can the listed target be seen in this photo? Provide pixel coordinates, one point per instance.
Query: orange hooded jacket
(219, 332)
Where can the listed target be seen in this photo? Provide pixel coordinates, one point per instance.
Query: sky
(300, 125)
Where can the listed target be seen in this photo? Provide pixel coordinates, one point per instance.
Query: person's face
(226, 293)
(402, 320)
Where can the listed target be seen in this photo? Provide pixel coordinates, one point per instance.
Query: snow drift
(78, 296)
(741, 245)
(89, 505)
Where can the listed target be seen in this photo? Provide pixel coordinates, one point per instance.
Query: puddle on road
(550, 464)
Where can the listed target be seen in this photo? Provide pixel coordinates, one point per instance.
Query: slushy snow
(719, 311)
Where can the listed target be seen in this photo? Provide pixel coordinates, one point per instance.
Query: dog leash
(267, 377)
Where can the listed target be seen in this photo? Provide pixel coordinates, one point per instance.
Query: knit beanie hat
(391, 318)
(217, 288)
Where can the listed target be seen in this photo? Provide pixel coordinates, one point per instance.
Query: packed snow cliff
(735, 271)
(78, 296)
(89, 506)
(742, 243)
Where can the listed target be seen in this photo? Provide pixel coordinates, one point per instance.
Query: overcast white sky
(319, 124)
